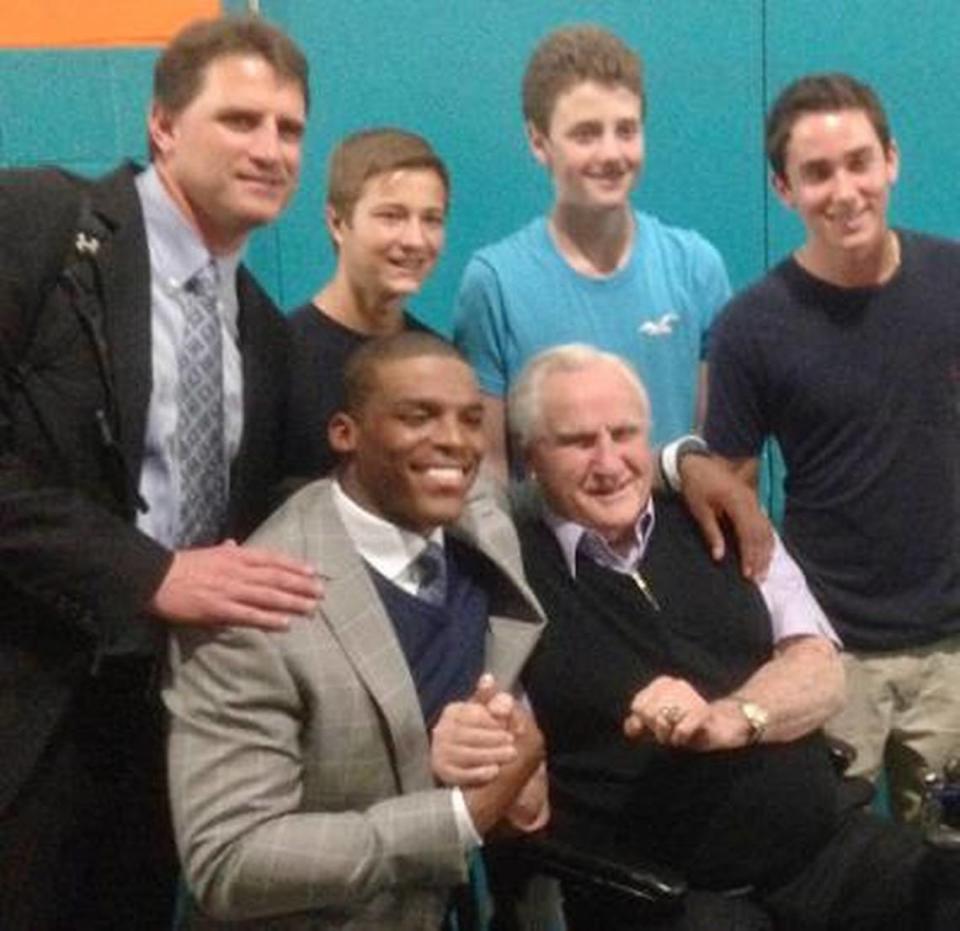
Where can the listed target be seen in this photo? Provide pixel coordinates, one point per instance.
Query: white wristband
(673, 452)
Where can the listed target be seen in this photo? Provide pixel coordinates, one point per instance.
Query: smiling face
(390, 243)
(231, 157)
(412, 451)
(837, 176)
(594, 147)
(591, 455)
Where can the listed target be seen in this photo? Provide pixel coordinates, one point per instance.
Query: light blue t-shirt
(520, 296)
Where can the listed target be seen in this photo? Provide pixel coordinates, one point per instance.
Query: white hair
(525, 402)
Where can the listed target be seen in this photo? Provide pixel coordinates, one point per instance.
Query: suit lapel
(123, 262)
(358, 620)
(253, 374)
(257, 459)
(516, 620)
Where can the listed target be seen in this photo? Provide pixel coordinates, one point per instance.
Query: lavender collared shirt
(794, 611)
(176, 254)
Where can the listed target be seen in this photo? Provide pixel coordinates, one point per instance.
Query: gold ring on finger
(672, 714)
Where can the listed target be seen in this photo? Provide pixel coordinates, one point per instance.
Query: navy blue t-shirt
(861, 388)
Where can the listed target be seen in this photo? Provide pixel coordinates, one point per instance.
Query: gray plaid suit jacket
(299, 760)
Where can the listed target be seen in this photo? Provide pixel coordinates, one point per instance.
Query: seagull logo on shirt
(661, 327)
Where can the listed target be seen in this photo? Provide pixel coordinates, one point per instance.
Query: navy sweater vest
(444, 644)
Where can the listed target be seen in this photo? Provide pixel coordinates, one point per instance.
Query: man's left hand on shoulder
(714, 496)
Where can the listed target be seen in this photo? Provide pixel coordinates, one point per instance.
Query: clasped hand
(475, 740)
(674, 714)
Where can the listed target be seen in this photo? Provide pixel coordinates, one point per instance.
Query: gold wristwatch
(757, 719)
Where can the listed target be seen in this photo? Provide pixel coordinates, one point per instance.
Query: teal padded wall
(82, 109)
(451, 69)
(452, 72)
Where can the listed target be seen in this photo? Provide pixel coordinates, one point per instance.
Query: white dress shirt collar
(391, 550)
(177, 252)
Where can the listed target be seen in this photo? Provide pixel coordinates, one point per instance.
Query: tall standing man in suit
(141, 412)
(300, 760)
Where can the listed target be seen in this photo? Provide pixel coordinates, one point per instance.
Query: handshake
(490, 747)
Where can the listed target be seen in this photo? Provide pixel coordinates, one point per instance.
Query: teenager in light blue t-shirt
(594, 270)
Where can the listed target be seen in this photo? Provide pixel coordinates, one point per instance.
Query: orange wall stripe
(84, 23)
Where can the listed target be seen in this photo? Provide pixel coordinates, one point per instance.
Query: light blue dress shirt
(177, 253)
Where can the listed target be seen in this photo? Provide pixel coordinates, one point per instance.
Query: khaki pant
(902, 715)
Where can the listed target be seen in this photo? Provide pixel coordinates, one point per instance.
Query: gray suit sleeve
(284, 795)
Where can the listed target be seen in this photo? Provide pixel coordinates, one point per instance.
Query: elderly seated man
(681, 703)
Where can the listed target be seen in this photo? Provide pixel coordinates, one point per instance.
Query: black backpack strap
(78, 272)
(62, 253)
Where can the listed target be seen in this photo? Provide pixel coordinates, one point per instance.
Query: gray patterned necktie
(432, 568)
(203, 487)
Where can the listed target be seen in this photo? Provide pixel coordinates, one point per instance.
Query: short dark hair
(820, 93)
(360, 373)
(370, 152)
(570, 56)
(179, 71)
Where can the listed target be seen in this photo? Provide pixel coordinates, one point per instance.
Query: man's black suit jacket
(75, 573)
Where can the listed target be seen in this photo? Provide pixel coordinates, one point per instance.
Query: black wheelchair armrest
(545, 853)
(940, 810)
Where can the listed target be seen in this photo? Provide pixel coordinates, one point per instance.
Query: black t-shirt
(861, 388)
(320, 347)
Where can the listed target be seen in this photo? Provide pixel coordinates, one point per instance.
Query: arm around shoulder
(714, 494)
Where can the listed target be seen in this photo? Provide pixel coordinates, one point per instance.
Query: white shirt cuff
(469, 838)
(670, 460)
